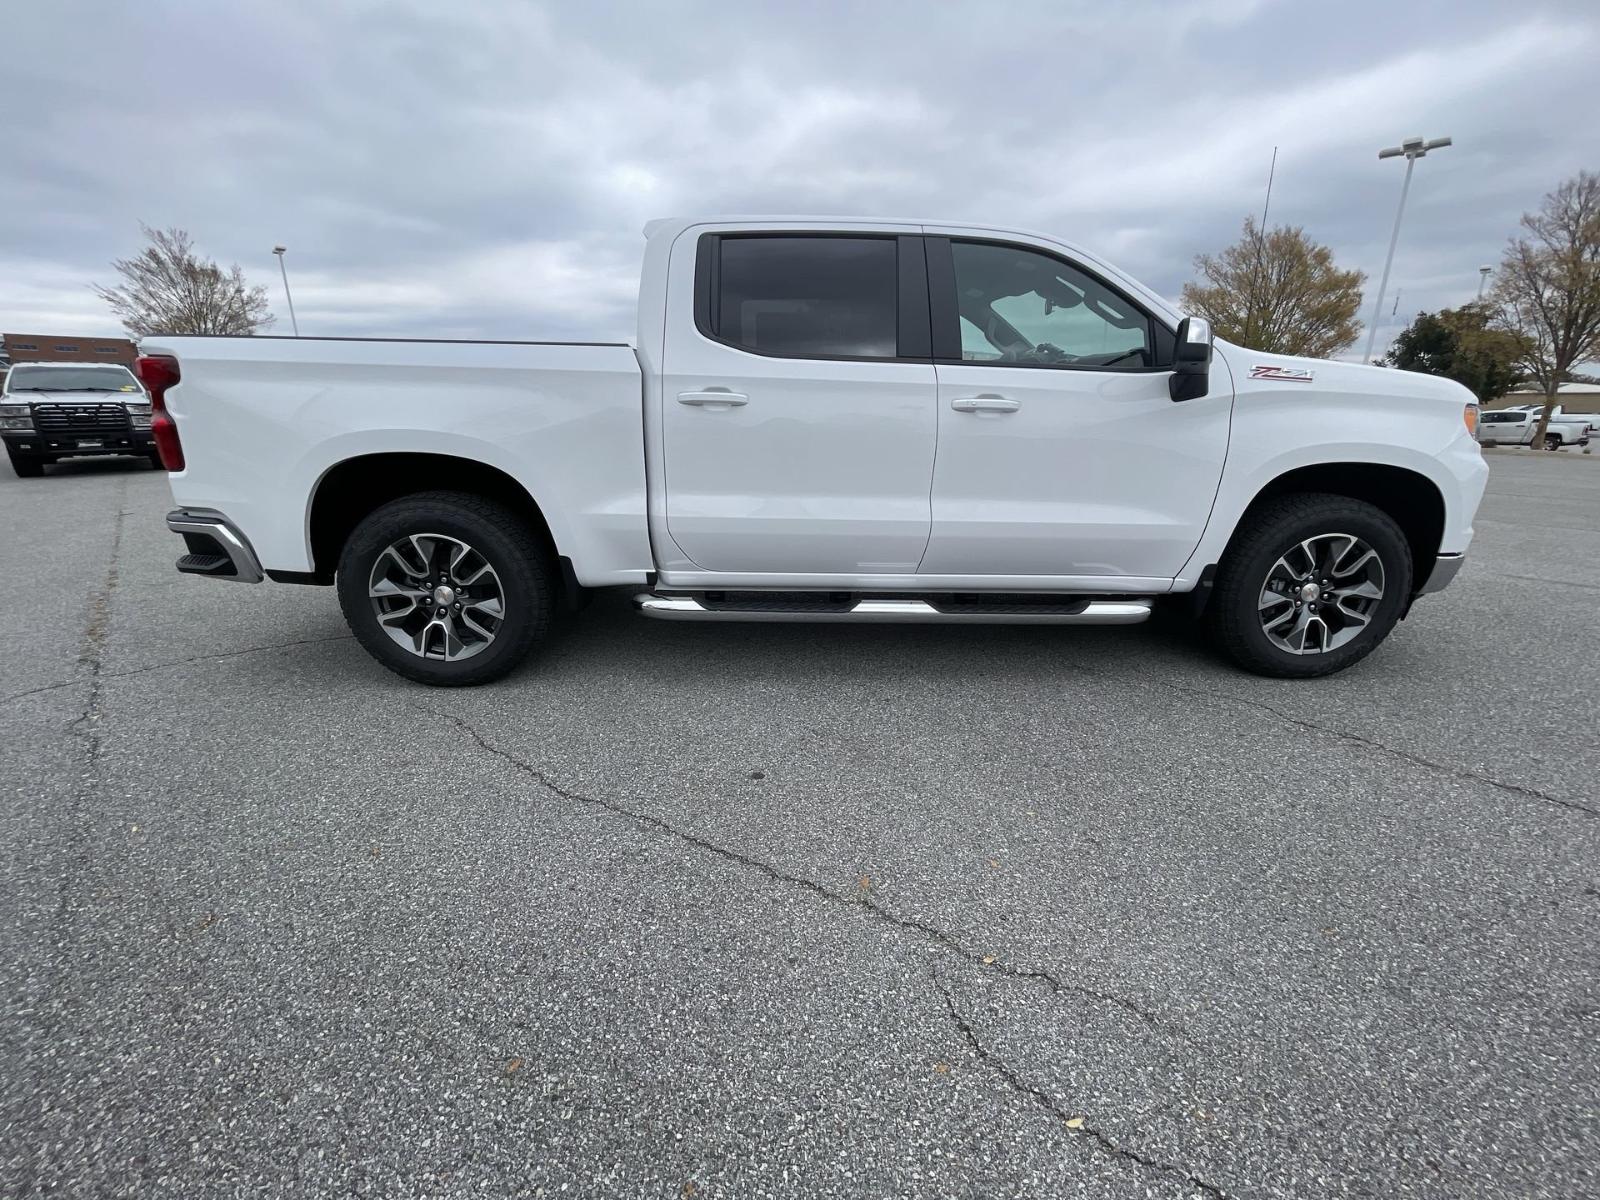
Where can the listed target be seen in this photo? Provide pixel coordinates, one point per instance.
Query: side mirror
(1191, 360)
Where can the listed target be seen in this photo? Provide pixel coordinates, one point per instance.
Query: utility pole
(1413, 148)
(1483, 278)
(279, 251)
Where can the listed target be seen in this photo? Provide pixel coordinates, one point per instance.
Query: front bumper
(1445, 568)
(215, 546)
(72, 444)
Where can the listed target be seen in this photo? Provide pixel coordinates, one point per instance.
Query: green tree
(1461, 344)
(169, 288)
(1279, 292)
(1548, 287)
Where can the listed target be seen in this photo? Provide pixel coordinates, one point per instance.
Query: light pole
(1413, 148)
(279, 251)
(1483, 278)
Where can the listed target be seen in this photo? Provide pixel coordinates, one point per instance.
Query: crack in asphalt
(864, 903)
(177, 662)
(1593, 587)
(91, 656)
(1099, 1138)
(1463, 773)
(85, 728)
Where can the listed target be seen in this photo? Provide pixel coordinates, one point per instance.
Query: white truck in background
(826, 420)
(55, 410)
(1518, 426)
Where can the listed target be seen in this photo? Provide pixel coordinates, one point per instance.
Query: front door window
(1021, 308)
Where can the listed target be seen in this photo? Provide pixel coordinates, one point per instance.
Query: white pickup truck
(826, 420)
(1518, 426)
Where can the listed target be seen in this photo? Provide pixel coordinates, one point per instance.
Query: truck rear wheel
(1310, 585)
(446, 588)
(1552, 441)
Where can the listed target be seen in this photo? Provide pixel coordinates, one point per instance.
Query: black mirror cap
(1191, 360)
(1194, 341)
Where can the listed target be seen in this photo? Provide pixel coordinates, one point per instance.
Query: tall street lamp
(279, 251)
(1483, 278)
(1413, 148)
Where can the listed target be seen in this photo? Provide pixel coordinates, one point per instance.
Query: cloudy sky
(482, 167)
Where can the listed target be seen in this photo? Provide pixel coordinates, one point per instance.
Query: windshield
(72, 379)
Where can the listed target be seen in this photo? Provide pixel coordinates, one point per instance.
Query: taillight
(158, 372)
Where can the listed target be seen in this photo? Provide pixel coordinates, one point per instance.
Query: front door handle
(713, 399)
(996, 404)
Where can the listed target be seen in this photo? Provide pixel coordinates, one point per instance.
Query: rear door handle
(713, 399)
(996, 404)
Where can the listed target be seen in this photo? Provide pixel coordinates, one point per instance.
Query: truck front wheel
(1310, 585)
(27, 466)
(446, 588)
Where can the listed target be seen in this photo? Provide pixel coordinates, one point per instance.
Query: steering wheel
(1047, 352)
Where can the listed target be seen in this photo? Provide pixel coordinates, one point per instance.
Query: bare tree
(170, 288)
(1278, 291)
(1548, 287)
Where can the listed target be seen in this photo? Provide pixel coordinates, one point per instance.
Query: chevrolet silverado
(826, 420)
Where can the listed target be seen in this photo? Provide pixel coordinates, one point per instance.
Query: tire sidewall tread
(518, 558)
(1264, 535)
(27, 466)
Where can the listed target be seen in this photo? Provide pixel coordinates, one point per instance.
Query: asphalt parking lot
(745, 911)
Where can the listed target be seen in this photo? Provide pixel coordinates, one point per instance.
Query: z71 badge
(1282, 374)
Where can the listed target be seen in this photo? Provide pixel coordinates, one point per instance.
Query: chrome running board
(1068, 611)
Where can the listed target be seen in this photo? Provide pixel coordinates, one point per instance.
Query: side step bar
(1119, 611)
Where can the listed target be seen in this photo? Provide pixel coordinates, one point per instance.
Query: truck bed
(265, 418)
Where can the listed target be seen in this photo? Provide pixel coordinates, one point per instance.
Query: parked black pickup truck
(50, 411)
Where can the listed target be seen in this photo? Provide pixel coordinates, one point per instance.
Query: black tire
(1274, 529)
(155, 460)
(503, 540)
(26, 466)
(1552, 441)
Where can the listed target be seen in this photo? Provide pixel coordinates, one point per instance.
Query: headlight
(1469, 416)
(13, 410)
(17, 423)
(139, 414)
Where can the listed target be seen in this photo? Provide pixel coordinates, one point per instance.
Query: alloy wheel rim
(1321, 593)
(437, 597)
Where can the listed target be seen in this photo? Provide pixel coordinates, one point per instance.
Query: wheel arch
(1410, 498)
(354, 487)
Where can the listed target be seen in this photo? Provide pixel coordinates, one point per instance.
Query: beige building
(1579, 397)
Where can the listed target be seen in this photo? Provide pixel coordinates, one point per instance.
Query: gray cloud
(483, 168)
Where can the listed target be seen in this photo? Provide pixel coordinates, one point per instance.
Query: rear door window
(805, 297)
